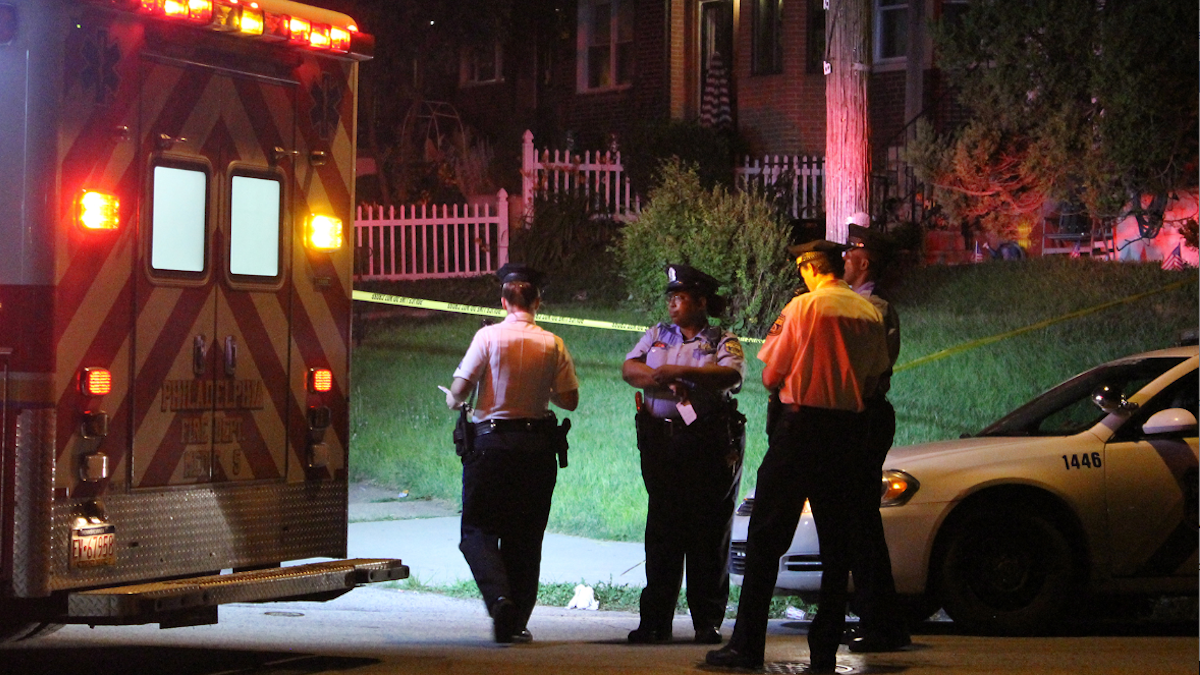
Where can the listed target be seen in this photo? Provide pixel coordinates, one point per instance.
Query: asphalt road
(373, 631)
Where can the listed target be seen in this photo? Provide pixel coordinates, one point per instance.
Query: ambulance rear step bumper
(150, 601)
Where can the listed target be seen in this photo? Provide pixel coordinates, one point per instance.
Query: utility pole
(847, 149)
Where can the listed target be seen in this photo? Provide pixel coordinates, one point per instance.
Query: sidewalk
(425, 536)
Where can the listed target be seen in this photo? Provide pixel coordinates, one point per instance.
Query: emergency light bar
(268, 20)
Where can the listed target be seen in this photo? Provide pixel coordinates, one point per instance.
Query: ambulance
(176, 188)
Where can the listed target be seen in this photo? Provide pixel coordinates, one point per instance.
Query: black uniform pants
(874, 587)
(692, 475)
(508, 481)
(813, 454)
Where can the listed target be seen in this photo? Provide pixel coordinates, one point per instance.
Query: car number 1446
(1083, 461)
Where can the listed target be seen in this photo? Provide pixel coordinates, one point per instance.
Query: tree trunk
(847, 150)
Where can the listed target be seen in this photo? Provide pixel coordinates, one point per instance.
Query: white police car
(1090, 487)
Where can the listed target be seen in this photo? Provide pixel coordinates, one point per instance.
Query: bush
(572, 245)
(732, 236)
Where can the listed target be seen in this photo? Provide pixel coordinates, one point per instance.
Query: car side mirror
(1112, 401)
(1171, 420)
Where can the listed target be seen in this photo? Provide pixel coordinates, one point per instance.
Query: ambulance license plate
(93, 546)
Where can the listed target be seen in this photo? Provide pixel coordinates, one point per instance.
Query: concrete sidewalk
(429, 546)
(425, 536)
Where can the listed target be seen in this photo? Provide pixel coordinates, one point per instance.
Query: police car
(1090, 487)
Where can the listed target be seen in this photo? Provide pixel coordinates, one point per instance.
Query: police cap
(519, 272)
(871, 240)
(815, 249)
(688, 278)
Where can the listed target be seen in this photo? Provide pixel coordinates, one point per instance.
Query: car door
(1151, 490)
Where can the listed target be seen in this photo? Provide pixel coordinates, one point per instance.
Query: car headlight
(897, 488)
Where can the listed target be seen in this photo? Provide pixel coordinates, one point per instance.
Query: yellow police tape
(1041, 324)
(633, 328)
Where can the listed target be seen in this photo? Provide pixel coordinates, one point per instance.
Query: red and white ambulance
(176, 186)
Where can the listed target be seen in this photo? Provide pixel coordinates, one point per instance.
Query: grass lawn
(401, 430)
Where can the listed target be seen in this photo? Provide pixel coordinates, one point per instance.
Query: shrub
(571, 244)
(732, 236)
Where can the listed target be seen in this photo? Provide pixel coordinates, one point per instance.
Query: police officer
(880, 627)
(824, 355)
(691, 439)
(509, 474)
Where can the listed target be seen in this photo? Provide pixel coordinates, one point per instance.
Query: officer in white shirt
(510, 471)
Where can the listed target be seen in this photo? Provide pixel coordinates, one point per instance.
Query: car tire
(1005, 571)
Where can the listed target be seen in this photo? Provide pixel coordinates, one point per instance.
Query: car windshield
(1068, 409)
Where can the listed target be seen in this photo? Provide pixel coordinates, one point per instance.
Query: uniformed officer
(824, 355)
(880, 627)
(509, 474)
(691, 440)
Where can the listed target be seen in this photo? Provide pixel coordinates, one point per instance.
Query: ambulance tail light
(95, 382)
(320, 380)
(98, 211)
(324, 233)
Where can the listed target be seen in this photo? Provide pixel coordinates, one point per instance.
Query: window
(481, 65)
(891, 29)
(815, 58)
(606, 44)
(766, 44)
(178, 221)
(254, 226)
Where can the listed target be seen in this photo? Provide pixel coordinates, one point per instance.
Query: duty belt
(518, 425)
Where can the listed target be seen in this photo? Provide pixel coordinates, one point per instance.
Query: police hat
(518, 272)
(815, 249)
(872, 240)
(688, 278)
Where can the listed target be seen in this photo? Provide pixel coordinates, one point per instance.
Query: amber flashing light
(324, 232)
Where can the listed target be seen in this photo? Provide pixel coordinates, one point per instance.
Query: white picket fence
(431, 241)
(798, 181)
(599, 175)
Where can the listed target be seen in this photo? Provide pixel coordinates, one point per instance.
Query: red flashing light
(318, 36)
(320, 380)
(339, 39)
(299, 30)
(98, 211)
(95, 382)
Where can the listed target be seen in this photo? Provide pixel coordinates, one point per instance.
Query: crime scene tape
(633, 328)
(973, 344)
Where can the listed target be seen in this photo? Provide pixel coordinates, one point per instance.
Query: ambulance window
(177, 227)
(254, 227)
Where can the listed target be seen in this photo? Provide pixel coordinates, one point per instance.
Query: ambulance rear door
(214, 287)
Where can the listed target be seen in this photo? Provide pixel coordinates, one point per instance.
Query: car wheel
(1005, 571)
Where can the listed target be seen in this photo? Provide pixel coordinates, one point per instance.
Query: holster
(560, 441)
(464, 432)
(774, 412)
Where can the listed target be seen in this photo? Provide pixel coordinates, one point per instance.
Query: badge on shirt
(735, 349)
(777, 327)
